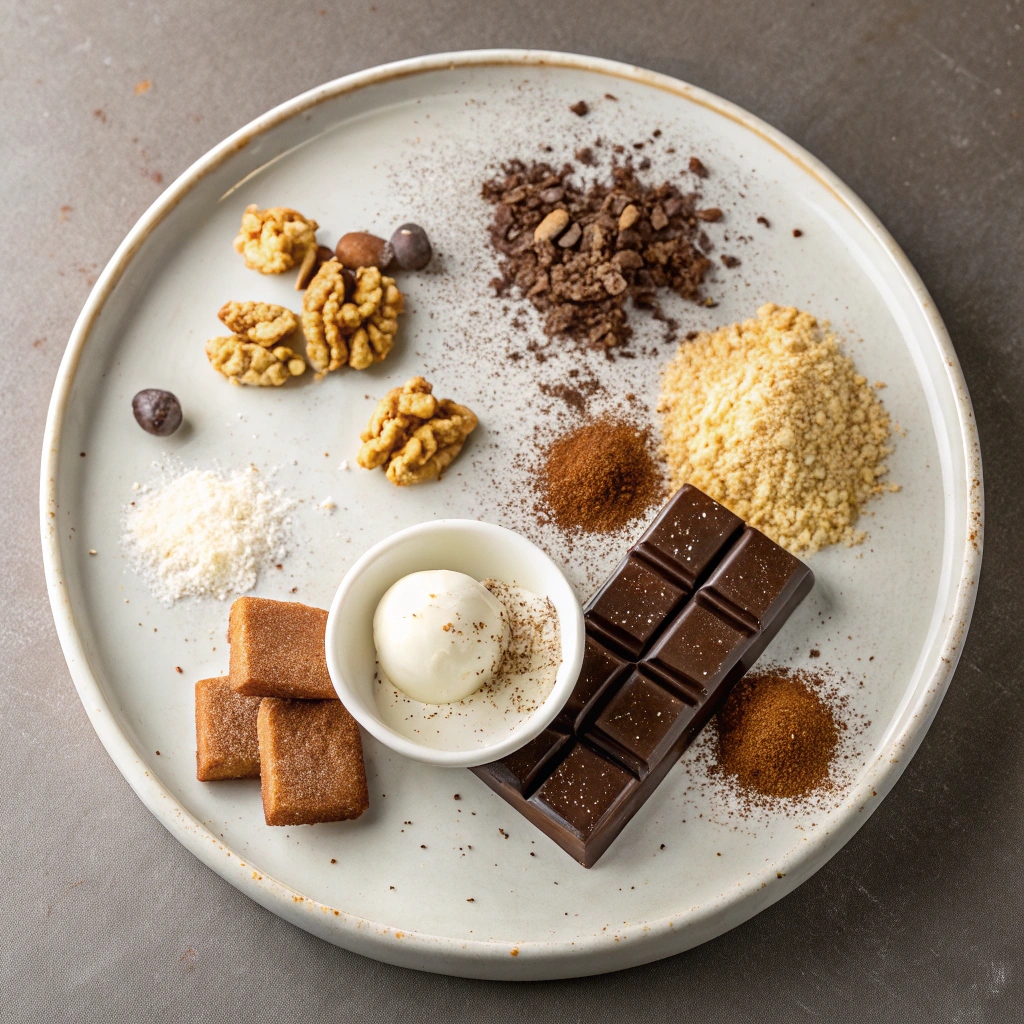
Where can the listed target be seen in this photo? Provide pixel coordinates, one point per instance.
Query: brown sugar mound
(776, 736)
(599, 477)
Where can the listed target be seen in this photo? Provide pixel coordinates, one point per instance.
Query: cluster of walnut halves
(414, 433)
(349, 318)
(253, 353)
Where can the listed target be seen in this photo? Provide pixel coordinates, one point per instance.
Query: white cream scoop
(440, 635)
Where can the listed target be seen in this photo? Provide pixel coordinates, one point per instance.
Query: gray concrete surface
(103, 916)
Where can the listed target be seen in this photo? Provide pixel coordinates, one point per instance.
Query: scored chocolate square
(641, 723)
(684, 615)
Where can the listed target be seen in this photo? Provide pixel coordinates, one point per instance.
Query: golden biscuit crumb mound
(274, 240)
(771, 419)
(416, 435)
(349, 320)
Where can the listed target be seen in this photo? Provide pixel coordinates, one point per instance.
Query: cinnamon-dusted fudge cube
(311, 756)
(277, 649)
(226, 743)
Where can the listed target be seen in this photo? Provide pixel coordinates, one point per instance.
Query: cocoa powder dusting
(776, 736)
(599, 477)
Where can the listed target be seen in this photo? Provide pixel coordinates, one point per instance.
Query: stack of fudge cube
(276, 717)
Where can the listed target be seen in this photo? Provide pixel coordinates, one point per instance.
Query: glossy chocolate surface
(683, 616)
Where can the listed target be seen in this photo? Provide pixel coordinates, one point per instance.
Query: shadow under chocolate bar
(681, 619)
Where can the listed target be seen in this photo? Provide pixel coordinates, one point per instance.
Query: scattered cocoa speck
(764, 221)
(797, 233)
(730, 261)
(470, 899)
(710, 215)
(586, 156)
(158, 753)
(81, 455)
(609, 96)
(38, 343)
(815, 653)
(179, 670)
(576, 395)
(503, 832)
(662, 847)
(333, 860)
(294, 590)
(457, 797)
(696, 167)
(580, 108)
(100, 115)
(423, 846)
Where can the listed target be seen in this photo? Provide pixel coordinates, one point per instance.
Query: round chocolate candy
(157, 412)
(412, 247)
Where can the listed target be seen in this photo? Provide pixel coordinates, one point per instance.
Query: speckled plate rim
(632, 944)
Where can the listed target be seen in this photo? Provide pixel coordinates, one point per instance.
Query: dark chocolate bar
(684, 615)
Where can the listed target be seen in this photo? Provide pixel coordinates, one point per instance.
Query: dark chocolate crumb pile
(578, 255)
(599, 477)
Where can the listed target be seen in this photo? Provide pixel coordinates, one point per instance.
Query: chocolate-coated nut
(157, 412)
(361, 249)
(411, 247)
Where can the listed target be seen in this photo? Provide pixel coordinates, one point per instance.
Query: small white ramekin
(480, 550)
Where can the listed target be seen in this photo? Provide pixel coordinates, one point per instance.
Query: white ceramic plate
(412, 141)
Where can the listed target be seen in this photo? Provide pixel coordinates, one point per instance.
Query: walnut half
(259, 322)
(274, 240)
(414, 433)
(242, 362)
(356, 329)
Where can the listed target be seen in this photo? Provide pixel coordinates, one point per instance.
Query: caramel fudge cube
(226, 743)
(277, 649)
(311, 756)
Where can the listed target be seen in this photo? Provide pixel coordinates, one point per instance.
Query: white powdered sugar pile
(205, 533)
